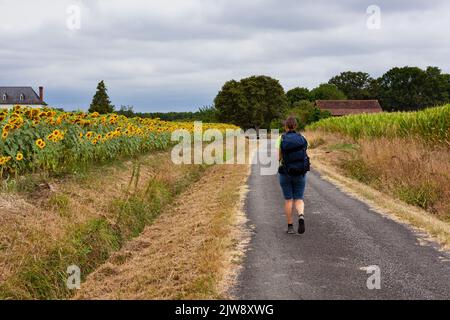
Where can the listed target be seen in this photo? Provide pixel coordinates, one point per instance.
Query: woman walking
(294, 164)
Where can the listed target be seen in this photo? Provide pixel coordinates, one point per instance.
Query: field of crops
(45, 139)
(430, 125)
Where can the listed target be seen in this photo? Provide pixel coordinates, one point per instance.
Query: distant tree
(264, 99)
(207, 114)
(401, 89)
(411, 88)
(327, 91)
(126, 111)
(355, 85)
(437, 88)
(306, 113)
(375, 89)
(297, 94)
(169, 116)
(317, 114)
(100, 102)
(253, 102)
(230, 104)
(446, 79)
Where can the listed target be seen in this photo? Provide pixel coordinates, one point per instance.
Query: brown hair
(291, 123)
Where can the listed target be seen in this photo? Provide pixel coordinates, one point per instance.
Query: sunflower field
(45, 139)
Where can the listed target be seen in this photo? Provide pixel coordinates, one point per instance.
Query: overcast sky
(174, 55)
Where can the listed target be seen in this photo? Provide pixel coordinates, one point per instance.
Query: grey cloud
(160, 55)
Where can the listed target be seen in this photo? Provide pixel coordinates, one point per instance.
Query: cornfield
(430, 125)
(46, 139)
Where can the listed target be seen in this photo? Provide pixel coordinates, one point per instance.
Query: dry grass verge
(187, 253)
(391, 170)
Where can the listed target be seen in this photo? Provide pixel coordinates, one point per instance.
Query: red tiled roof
(346, 107)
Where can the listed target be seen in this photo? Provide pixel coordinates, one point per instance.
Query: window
(22, 97)
(4, 97)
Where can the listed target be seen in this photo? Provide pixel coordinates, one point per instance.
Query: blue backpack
(295, 160)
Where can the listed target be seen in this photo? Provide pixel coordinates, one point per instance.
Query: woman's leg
(288, 210)
(286, 187)
(300, 206)
(299, 191)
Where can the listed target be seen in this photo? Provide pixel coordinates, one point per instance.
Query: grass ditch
(89, 241)
(191, 252)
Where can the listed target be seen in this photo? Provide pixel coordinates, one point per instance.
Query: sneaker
(290, 229)
(301, 225)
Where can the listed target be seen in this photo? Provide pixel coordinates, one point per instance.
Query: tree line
(399, 89)
(261, 102)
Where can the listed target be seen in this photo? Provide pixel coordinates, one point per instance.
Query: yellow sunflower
(40, 143)
(4, 160)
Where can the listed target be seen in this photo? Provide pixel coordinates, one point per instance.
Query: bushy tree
(355, 85)
(298, 94)
(230, 104)
(437, 88)
(306, 113)
(100, 102)
(411, 88)
(126, 111)
(253, 102)
(327, 91)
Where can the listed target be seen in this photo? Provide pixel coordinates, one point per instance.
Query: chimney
(41, 94)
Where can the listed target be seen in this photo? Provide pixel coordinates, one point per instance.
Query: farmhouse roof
(19, 95)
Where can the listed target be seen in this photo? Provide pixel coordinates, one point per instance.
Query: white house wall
(9, 106)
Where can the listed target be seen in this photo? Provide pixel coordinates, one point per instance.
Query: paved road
(342, 236)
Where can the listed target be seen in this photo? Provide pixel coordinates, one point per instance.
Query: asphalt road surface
(343, 236)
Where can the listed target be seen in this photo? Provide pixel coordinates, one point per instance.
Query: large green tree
(230, 104)
(437, 88)
(327, 91)
(411, 88)
(355, 85)
(298, 94)
(252, 102)
(100, 102)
